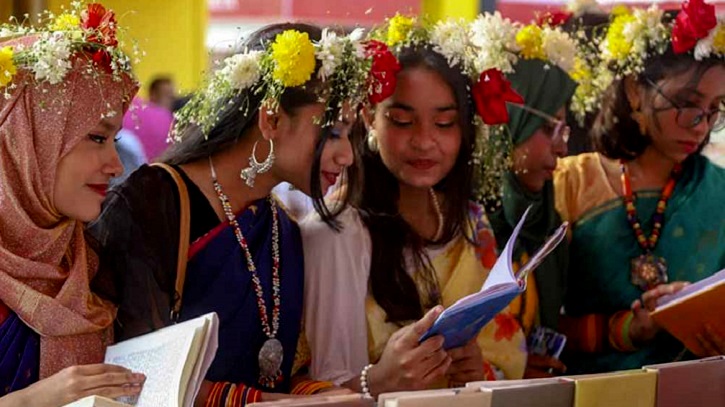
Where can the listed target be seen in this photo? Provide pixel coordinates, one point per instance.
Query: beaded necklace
(271, 354)
(648, 270)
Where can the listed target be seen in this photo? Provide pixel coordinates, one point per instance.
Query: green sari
(602, 245)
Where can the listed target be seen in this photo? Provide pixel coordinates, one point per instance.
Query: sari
(602, 244)
(345, 327)
(139, 239)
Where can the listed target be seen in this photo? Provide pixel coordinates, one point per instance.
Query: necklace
(271, 354)
(439, 214)
(648, 270)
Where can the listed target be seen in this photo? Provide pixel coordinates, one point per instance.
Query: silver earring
(372, 140)
(255, 167)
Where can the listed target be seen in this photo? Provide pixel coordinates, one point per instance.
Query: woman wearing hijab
(57, 127)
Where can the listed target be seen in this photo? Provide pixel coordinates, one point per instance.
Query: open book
(174, 359)
(685, 313)
(463, 320)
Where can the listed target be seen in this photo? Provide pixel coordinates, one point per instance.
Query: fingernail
(139, 377)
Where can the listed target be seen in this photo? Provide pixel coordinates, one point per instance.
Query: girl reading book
(273, 112)
(414, 240)
(57, 155)
(646, 209)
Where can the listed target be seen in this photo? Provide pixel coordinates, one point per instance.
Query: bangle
(364, 382)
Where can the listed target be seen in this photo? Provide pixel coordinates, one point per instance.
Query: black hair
(616, 134)
(240, 114)
(157, 82)
(393, 288)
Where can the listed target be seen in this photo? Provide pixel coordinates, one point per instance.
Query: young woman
(57, 156)
(539, 133)
(647, 209)
(413, 241)
(245, 259)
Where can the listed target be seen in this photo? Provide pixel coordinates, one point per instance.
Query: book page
(548, 246)
(502, 272)
(715, 279)
(206, 353)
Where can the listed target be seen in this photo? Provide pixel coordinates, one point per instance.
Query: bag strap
(184, 223)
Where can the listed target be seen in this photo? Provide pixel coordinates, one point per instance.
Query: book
(685, 313)
(462, 321)
(686, 383)
(347, 400)
(549, 392)
(174, 359)
(463, 397)
(632, 388)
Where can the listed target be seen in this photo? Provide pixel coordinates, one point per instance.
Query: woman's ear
(269, 122)
(368, 116)
(633, 92)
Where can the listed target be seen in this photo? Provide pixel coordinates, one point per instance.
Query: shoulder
(314, 228)
(581, 182)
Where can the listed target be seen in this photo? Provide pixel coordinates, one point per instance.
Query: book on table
(174, 359)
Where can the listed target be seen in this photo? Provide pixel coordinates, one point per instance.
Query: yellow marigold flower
(530, 40)
(294, 58)
(7, 66)
(718, 42)
(66, 22)
(581, 72)
(398, 29)
(620, 10)
(617, 44)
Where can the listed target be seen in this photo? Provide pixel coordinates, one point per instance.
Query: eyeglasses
(689, 117)
(560, 129)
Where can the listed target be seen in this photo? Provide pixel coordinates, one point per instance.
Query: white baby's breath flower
(495, 40)
(559, 48)
(242, 71)
(329, 53)
(579, 7)
(450, 39)
(52, 54)
(357, 34)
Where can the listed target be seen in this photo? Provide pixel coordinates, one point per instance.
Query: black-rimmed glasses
(689, 117)
(560, 128)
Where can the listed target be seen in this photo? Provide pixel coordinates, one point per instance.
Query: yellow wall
(171, 32)
(437, 9)
(6, 7)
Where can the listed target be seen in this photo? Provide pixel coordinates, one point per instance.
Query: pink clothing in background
(151, 123)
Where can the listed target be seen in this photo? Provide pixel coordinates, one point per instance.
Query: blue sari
(19, 353)
(218, 280)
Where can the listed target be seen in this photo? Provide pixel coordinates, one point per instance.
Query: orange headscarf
(45, 266)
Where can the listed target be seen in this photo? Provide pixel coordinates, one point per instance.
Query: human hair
(393, 288)
(157, 82)
(238, 116)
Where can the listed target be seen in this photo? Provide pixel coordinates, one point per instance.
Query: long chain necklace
(272, 352)
(648, 270)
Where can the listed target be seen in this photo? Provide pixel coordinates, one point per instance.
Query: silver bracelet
(364, 382)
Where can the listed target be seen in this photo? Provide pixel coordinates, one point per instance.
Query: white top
(337, 267)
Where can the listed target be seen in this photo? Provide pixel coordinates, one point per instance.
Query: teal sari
(602, 245)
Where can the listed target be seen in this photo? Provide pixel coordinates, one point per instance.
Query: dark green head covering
(546, 88)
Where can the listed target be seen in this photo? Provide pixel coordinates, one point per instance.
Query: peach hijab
(45, 266)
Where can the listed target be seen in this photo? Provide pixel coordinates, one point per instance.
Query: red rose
(554, 19)
(101, 23)
(693, 23)
(491, 93)
(383, 71)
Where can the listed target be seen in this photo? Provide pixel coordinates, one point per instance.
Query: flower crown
(83, 31)
(288, 62)
(457, 41)
(635, 35)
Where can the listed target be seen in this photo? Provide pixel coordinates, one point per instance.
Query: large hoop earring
(372, 140)
(255, 167)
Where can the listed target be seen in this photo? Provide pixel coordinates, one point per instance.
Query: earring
(638, 117)
(255, 167)
(372, 140)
